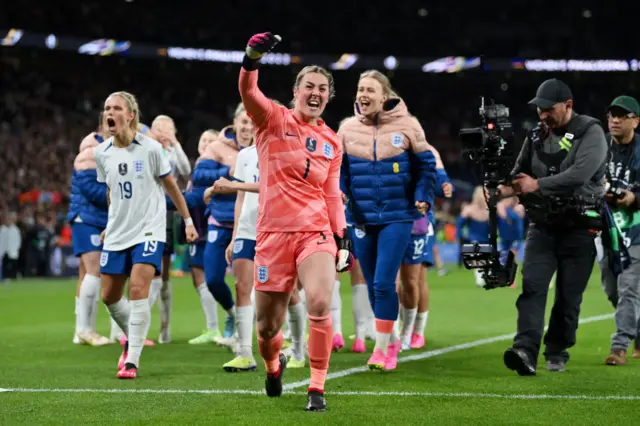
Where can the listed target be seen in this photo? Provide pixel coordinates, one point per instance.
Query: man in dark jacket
(622, 284)
(559, 176)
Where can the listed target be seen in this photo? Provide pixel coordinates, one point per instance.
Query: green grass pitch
(45, 379)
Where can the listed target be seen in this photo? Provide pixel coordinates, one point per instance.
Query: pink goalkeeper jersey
(299, 166)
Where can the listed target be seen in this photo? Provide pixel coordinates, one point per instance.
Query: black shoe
(556, 364)
(273, 384)
(518, 360)
(315, 401)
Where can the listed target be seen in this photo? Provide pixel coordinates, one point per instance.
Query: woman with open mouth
(301, 227)
(389, 177)
(137, 174)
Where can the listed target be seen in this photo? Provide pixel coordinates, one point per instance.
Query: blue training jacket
(88, 198)
(207, 171)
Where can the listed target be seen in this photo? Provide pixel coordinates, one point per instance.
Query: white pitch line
(430, 354)
(348, 393)
(296, 385)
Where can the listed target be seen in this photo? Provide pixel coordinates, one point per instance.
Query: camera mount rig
(490, 146)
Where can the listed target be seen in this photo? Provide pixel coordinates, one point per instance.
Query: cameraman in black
(559, 177)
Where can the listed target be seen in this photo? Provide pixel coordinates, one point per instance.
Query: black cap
(551, 92)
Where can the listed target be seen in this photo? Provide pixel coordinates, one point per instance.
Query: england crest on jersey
(138, 168)
(263, 274)
(327, 150)
(397, 139)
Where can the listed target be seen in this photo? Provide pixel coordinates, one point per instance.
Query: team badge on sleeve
(263, 274)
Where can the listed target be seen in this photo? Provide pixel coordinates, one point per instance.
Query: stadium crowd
(42, 106)
(49, 109)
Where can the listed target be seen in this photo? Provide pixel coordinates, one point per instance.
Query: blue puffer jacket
(88, 199)
(383, 171)
(441, 178)
(221, 205)
(208, 170)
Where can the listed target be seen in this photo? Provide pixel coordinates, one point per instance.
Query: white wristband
(188, 222)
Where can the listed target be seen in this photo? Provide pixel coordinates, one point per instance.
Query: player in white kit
(241, 252)
(164, 130)
(136, 170)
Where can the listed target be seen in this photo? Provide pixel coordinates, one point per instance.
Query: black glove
(344, 258)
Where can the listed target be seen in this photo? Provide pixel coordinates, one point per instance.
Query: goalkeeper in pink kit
(301, 228)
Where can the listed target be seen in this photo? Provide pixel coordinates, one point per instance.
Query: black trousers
(572, 253)
(9, 267)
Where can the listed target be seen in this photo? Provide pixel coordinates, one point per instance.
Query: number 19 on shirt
(125, 190)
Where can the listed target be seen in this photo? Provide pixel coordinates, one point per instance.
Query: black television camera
(491, 147)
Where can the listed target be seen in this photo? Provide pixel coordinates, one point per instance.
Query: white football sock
(93, 316)
(154, 290)
(253, 303)
(401, 314)
(116, 332)
(209, 307)
(395, 334)
(120, 312)
(286, 326)
(371, 319)
(244, 325)
(139, 321)
(298, 322)
(165, 304)
(382, 341)
(89, 290)
(407, 325)
(336, 309)
(421, 323)
(360, 302)
(303, 298)
(78, 317)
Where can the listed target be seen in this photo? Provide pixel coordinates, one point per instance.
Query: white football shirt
(138, 207)
(246, 170)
